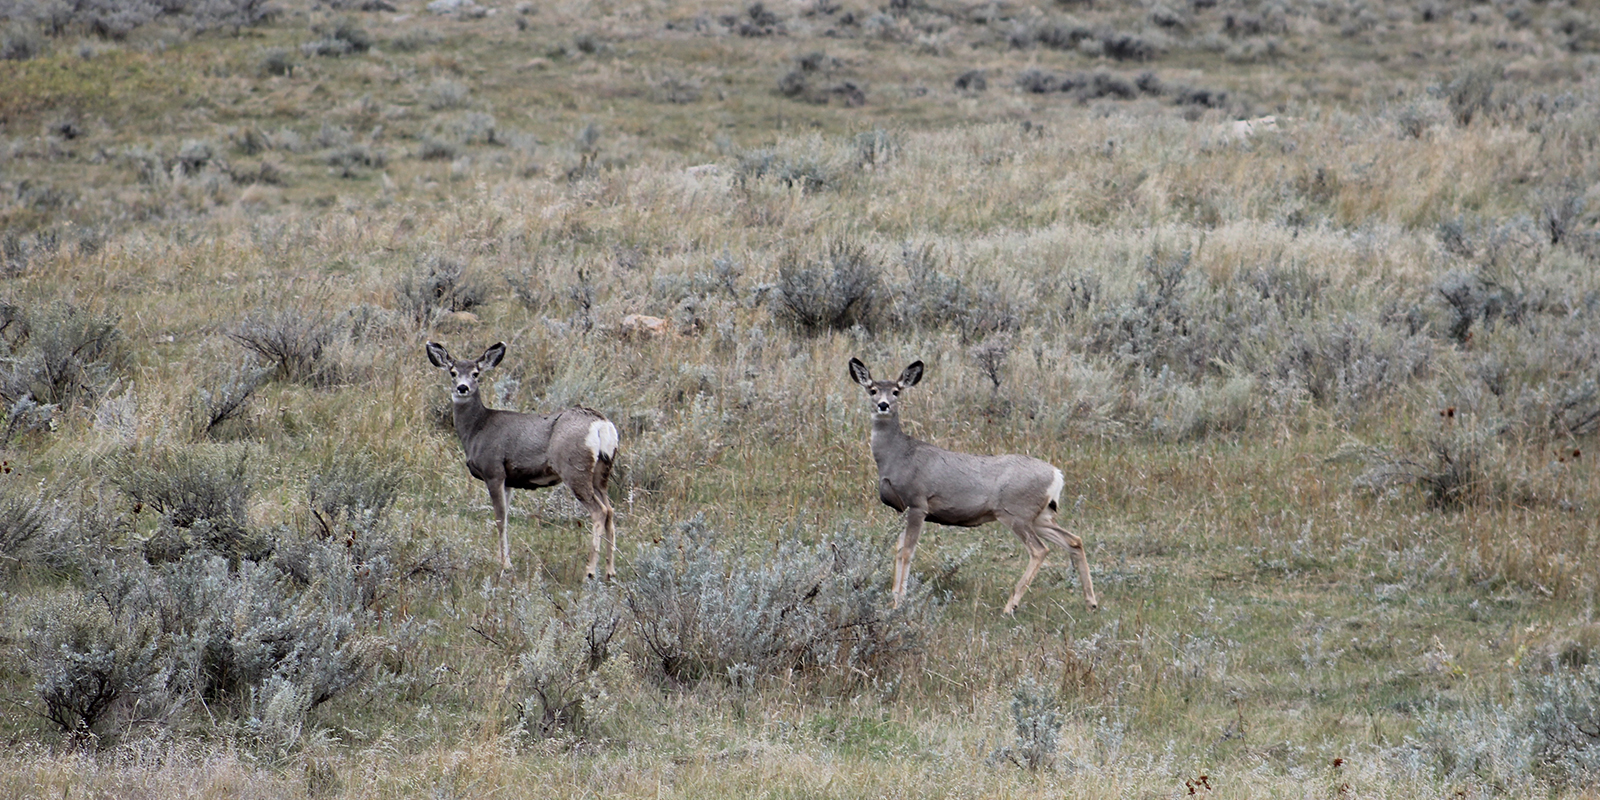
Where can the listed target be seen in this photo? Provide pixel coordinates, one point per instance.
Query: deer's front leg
(497, 499)
(905, 549)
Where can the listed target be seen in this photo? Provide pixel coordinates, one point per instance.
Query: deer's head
(885, 395)
(464, 373)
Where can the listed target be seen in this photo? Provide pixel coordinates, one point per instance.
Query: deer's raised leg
(1073, 544)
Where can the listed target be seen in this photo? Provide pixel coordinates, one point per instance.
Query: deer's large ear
(859, 373)
(438, 356)
(912, 375)
(492, 356)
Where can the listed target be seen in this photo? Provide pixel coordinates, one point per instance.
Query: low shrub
(344, 38)
(297, 341)
(701, 613)
(933, 300)
(23, 525)
(444, 94)
(21, 42)
(1036, 724)
(91, 664)
(1546, 735)
(60, 355)
(840, 290)
(200, 493)
(277, 61)
(809, 173)
(570, 671)
(442, 286)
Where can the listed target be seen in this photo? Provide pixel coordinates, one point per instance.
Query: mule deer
(511, 450)
(931, 484)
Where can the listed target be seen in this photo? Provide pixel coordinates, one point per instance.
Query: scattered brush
(842, 289)
(1036, 724)
(299, 343)
(703, 613)
(441, 287)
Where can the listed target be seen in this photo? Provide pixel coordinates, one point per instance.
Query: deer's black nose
(461, 388)
(883, 406)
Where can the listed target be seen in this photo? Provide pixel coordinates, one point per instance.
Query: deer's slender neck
(470, 415)
(885, 432)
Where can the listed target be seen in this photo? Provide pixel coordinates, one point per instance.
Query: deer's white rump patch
(1056, 484)
(602, 439)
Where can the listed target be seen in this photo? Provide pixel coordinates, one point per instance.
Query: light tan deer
(931, 484)
(511, 450)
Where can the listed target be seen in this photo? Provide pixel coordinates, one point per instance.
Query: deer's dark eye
(897, 393)
(872, 391)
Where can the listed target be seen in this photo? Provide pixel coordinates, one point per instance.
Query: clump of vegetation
(842, 289)
(815, 79)
(201, 495)
(91, 665)
(445, 94)
(20, 42)
(343, 38)
(571, 673)
(1546, 736)
(57, 355)
(702, 612)
(277, 61)
(809, 173)
(226, 400)
(442, 286)
(298, 343)
(157, 642)
(351, 494)
(1089, 86)
(1036, 724)
(24, 524)
(931, 299)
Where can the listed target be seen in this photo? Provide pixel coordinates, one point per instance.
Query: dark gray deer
(931, 484)
(511, 450)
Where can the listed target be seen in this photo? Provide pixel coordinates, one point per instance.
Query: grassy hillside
(1324, 390)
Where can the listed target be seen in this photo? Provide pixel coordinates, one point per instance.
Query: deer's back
(961, 488)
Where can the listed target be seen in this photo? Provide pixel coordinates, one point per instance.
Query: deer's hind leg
(1073, 544)
(1036, 553)
(603, 518)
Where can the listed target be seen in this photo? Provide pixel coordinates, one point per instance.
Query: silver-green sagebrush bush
(703, 613)
(1037, 726)
(57, 354)
(200, 494)
(571, 674)
(299, 343)
(1546, 735)
(198, 641)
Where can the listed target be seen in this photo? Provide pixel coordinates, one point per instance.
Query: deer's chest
(890, 495)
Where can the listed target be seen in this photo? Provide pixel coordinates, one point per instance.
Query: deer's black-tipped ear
(859, 372)
(437, 355)
(492, 356)
(912, 375)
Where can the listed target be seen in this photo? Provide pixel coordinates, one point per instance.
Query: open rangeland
(1301, 297)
